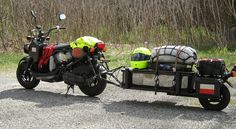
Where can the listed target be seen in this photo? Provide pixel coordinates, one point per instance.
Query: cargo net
(174, 54)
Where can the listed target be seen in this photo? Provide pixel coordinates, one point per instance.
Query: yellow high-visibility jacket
(84, 41)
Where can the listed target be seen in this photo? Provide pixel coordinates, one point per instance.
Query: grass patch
(232, 102)
(234, 94)
(9, 60)
(223, 53)
(120, 54)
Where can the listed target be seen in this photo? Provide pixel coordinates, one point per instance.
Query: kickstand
(70, 87)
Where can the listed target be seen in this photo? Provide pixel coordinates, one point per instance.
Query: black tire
(96, 89)
(219, 104)
(25, 78)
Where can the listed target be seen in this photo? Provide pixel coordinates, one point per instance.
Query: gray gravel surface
(115, 108)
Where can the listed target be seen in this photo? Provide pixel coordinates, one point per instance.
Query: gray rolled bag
(174, 54)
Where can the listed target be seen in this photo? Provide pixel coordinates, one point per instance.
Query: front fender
(26, 59)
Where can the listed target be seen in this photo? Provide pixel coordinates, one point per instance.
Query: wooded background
(198, 23)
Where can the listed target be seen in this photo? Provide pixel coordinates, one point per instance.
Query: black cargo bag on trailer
(211, 67)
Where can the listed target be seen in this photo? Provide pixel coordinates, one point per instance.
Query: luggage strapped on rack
(156, 79)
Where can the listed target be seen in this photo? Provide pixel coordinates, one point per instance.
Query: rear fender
(102, 70)
(229, 84)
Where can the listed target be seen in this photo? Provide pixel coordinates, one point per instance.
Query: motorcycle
(87, 72)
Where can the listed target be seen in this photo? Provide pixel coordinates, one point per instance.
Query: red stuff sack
(47, 52)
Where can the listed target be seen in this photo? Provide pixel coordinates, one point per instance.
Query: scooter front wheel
(25, 77)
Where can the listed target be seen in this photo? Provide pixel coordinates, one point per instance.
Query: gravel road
(115, 108)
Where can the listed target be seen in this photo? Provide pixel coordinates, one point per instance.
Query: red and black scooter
(55, 63)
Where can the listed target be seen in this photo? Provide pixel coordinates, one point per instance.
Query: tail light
(233, 72)
(101, 45)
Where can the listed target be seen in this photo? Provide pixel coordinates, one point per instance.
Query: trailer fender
(229, 84)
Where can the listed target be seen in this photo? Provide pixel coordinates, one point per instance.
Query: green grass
(9, 60)
(232, 102)
(223, 53)
(120, 56)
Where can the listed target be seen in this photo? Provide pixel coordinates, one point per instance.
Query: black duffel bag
(211, 67)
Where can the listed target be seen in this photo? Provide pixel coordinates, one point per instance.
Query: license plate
(33, 49)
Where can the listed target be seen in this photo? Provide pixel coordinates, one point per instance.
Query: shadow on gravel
(165, 111)
(45, 99)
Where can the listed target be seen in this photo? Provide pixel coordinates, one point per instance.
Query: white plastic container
(52, 64)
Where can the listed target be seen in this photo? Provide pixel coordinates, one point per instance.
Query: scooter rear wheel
(25, 77)
(95, 88)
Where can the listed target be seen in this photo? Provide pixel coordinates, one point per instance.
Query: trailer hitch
(112, 75)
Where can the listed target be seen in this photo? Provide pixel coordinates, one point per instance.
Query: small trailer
(208, 82)
(211, 91)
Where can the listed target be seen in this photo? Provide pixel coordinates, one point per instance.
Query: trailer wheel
(217, 104)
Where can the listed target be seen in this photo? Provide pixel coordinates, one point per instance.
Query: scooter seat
(62, 46)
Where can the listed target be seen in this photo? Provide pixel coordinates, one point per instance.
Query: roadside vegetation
(9, 60)
(198, 23)
(119, 55)
(207, 25)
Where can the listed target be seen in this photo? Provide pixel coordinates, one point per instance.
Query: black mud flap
(126, 78)
(208, 87)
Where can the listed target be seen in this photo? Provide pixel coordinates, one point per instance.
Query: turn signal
(77, 52)
(105, 49)
(92, 50)
(233, 72)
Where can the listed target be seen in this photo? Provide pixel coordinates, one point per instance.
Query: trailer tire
(222, 103)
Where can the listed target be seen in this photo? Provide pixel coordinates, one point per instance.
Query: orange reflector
(104, 49)
(92, 50)
(233, 73)
(77, 52)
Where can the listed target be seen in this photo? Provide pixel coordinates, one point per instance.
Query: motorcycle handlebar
(57, 27)
(54, 28)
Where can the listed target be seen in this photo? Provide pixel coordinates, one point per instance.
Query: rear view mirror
(33, 13)
(62, 16)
